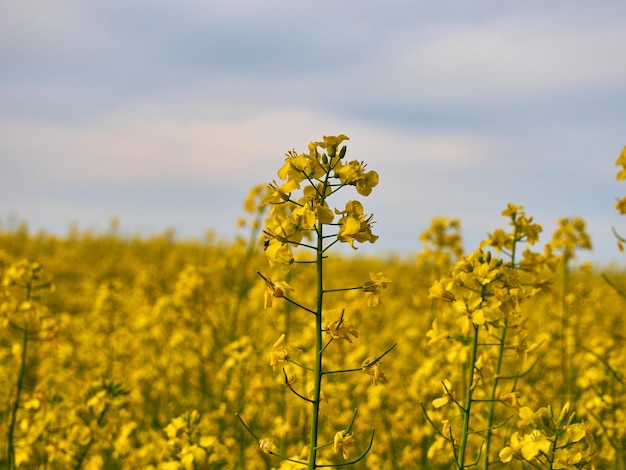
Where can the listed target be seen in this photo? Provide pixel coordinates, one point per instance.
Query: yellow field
(155, 353)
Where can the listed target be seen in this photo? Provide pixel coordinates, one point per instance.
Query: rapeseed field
(274, 350)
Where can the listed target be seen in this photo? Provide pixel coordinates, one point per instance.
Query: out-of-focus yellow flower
(435, 335)
(621, 206)
(374, 287)
(278, 353)
(448, 396)
(343, 442)
(567, 459)
(341, 329)
(511, 399)
(311, 390)
(571, 234)
(526, 446)
(621, 160)
(374, 370)
(575, 432)
(441, 290)
(267, 446)
(275, 289)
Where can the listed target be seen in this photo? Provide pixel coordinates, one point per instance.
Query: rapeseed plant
(485, 320)
(300, 220)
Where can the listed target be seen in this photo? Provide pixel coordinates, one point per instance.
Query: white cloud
(131, 145)
(501, 58)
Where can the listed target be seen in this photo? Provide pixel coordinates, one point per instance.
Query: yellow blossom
(511, 399)
(344, 442)
(435, 335)
(374, 287)
(442, 290)
(448, 396)
(354, 225)
(353, 173)
(330, 143)
(621, 206)
(275, 289)
(566, 459)
(278, 254)
(621, 160)
(373, 369)
(267, 446)
(311, 390)
(341, 329)
(278, 353)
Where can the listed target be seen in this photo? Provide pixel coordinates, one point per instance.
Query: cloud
(133, 145)
(502, 58)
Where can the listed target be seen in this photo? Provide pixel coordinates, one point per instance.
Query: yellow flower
(373, 370)
(566, 459)
(435, 335)
(512, 210)
(344, 442)
(354, 225)
(354, 174)
(275, 289)
(330, 143)
(621, 206)
(528, 416)
(341, 329)
(311, 390)
(298, 168)
(526, 446)
(511, 399)
(575, 432)
(278, 353)
(441, 290)
(278, 254)
(277, 194)
(267, 446)
(448, 396)
(621, 160)
(534, 444)
(512, 450)
(374, 287)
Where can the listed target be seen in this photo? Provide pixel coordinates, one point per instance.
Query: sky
(164, 113)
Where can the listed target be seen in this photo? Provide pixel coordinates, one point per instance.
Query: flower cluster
(324, 172)
(546, 442)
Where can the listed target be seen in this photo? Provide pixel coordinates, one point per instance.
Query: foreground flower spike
(301, 228)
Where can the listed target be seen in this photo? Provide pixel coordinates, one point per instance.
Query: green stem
(317, 374)
(16, 404)
(492, 397)
(496, 374)
(18, 392)
(565, 349)
(467, 407)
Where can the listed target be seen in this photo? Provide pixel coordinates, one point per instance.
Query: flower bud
(564, 413)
